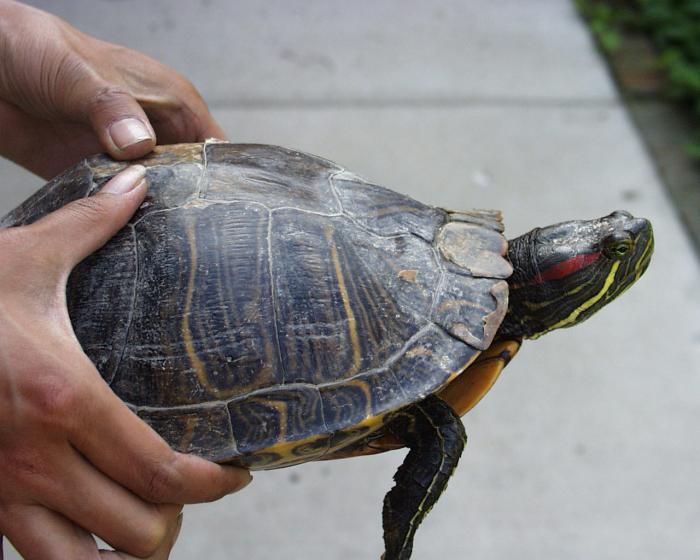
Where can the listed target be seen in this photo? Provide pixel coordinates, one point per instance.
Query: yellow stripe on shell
(388, 441)
(352, 322)
(195, 362)
(288, 455)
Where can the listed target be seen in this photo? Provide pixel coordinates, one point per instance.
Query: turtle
(265, 307)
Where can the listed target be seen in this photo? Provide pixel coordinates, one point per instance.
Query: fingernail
(129, 131)
(126, 181)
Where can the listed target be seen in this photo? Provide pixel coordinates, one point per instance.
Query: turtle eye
(617, 246)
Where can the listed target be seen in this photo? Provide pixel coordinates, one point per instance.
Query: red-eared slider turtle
(266, 307)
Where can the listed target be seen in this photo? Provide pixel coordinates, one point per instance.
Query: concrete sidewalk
(588, 446)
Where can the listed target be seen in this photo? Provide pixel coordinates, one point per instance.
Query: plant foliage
(674, 28)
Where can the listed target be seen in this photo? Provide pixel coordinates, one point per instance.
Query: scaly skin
(562, 275)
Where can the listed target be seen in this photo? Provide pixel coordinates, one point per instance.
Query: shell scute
(384, 211)
(200, 329)
(429, 362)
(103, 166)
(169, 187)
(346, 404)
(273, 176)
(367, 395)
(103, 331)
(354, 317)
(205, 431)
(285, 414)
(479, 251)
(491, 219)
(471, 309)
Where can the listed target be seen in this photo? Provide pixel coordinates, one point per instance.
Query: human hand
(161, 553)
(74, 459)
(65, 95)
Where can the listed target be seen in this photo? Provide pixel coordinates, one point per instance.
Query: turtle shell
(267, 307)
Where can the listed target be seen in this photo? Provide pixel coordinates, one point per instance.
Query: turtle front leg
(435, 437)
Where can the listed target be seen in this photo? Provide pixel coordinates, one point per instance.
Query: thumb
(78, 229)
(120, 123)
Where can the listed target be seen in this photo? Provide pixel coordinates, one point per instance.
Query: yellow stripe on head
(573, 316)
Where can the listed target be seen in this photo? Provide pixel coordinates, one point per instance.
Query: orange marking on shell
(188, 434)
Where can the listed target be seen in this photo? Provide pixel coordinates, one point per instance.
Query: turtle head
(563, 274)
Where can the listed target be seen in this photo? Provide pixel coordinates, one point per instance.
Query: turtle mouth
(644, 246)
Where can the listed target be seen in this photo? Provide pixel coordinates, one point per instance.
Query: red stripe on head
(565, 268)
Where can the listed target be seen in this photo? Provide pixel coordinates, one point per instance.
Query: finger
(163, 551)
(181, 116)
(145, 463)
(119, 122)
(92, 501)
(71, 233)
(185, 125)
(183, 122)
(38, 533)
(41, 146)
(211, 129)
(208, 127)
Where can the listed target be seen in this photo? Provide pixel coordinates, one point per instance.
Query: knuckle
(108, 95)
(188, 89)
(162, 483)
(90, 210)
(180, 119)
(53, 398)
(24, 467)
(151, 536)
(174, 120)
(71, 69)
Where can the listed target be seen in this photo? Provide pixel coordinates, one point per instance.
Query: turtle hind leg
(435, 437)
